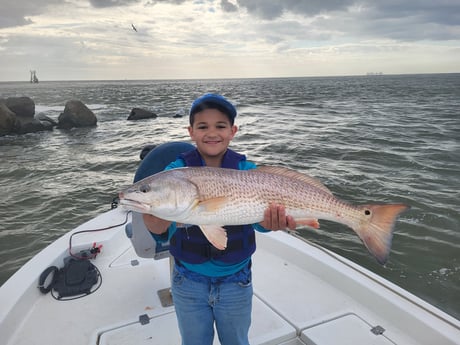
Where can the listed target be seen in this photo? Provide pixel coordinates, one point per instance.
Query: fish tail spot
(377, 232)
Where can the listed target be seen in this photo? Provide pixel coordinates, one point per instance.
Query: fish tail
(376, 231)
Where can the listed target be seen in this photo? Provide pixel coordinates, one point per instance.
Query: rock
(45, 118)
(17, 117)
(76, 114)
(32, 126)
(21, 106)
(47, 125)
(145, 150)
(179, 113)
(8, 120)
(138, 113)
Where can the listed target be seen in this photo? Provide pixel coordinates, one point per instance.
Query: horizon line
(368, 74)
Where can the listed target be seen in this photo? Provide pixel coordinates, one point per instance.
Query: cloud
(111, 3)
(275, 8)
(227, 6)
(17, 12)
(173, 2)
(399, 20)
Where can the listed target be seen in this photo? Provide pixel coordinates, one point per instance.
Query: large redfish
(215, 197)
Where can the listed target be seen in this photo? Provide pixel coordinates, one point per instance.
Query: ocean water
(369, 139)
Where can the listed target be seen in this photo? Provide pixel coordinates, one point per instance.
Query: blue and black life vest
(188, 244)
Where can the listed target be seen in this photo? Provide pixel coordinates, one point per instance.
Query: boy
(208, 285)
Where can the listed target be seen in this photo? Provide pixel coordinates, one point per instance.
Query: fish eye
(367, 212)
(145, 188)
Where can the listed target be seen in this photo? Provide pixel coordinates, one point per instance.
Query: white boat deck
(303, 295)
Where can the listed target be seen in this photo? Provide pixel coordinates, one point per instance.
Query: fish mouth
(133, 205)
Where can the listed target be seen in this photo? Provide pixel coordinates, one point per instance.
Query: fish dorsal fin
(295, 175)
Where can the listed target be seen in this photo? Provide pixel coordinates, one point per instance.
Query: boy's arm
(156, 225)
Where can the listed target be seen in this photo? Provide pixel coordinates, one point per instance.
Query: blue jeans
(200, 301)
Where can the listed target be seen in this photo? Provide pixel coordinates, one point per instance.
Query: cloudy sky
(95, 39)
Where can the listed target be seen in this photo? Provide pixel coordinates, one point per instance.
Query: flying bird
(134, 28)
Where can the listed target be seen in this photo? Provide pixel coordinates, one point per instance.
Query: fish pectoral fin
(310, 222)
(214, 204)
(216, 235)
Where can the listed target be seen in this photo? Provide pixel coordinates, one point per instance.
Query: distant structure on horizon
(33, 77)
(374, 73)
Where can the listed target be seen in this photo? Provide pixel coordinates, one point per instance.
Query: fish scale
(264, 190)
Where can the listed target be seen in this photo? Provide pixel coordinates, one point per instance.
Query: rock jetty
(17, 116)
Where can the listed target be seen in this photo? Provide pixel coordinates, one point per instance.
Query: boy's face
(212, 133)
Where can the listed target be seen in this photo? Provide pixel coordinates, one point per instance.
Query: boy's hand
(275, 219)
